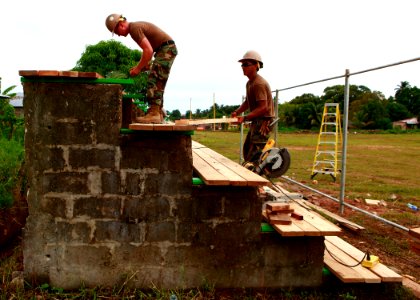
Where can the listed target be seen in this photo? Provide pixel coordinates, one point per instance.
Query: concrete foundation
(107, 208)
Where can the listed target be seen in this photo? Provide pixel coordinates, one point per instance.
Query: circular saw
(273, 162)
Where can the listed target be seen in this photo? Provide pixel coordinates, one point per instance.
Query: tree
(396, 111)
(175, 115)
(372, 115)
(409, 97)
(114, 60)
(107, 57)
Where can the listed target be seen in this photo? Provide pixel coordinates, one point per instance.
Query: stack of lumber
(415, 239)
(280, 213)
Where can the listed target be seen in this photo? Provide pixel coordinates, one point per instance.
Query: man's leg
(156, 83)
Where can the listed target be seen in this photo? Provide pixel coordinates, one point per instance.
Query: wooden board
(286, 230)
(214, 169)
(160, 127)
(206, 121)
(56, 73)
(283, 219)
(386, 274)
(323, 225)
(415, 232)
(207, 173)
(342, 221)
(357, 271)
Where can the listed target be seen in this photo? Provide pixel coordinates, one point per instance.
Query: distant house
(411, 123)
(17, 103)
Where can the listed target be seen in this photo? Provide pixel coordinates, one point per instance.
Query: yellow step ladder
(328, 149)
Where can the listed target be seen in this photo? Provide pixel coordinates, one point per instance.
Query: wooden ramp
(350, 255)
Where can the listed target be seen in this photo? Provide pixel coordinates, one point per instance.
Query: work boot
(153, 116)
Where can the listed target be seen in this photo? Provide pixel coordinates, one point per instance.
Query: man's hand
(134, 71)
(241, 119)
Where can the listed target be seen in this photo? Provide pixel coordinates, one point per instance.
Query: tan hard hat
(112, 21)
(252, 55)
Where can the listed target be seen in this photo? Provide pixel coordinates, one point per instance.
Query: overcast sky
(300, 41)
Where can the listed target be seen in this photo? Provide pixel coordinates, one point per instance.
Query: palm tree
(404, 85)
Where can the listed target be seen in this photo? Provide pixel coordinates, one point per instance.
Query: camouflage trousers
(159, 73)
(256, 138)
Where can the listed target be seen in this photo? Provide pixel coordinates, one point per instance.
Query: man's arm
(145, 57)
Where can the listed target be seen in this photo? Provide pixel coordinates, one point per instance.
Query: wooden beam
(206, 121)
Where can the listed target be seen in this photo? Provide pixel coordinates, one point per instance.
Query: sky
(300, 41)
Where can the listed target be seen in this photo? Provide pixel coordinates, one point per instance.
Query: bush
(11, 157)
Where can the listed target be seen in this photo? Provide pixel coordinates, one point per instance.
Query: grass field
(378, 166)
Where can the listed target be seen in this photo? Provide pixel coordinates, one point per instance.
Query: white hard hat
(252, 55)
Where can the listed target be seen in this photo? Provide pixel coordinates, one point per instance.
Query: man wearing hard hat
(151, 39)
(259, 103)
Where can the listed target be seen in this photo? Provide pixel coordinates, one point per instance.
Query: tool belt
(170, 42)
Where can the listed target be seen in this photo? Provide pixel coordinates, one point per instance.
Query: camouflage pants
(255, 140)
(159, 73)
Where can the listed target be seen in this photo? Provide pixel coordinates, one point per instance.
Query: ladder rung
(324, 172)
(328, 132)
(330, 123)
(325, 152)
(329, 143)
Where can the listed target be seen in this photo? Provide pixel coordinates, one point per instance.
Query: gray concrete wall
(107, 208)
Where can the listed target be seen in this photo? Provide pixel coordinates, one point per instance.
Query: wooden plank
(386, 274)
(414, 232)
(139, 126)
(92, 75)
(342, 221)
(283, 219)
(184, 127)
(28, 73)
(278, 206)
(251, 178)
(68, 74)
(207, 173)
(343, 257)
(233, 177)
(345, 274)
(285, 230)
(53, 73)
(163, 127)
(307, 227)
(323, 225)
(206, 121)
(160, 127)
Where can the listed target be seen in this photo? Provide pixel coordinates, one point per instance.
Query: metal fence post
(344, 150)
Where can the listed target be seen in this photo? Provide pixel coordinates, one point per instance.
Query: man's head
(251, 58)
(112, 23)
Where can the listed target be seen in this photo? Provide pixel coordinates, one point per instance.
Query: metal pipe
(350, 74)
(346, 204)
(344, 146)
(276, 113)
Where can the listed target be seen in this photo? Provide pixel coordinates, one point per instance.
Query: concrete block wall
(106, 206)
